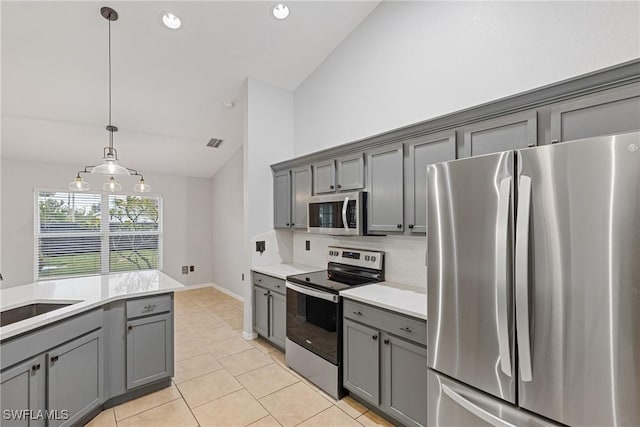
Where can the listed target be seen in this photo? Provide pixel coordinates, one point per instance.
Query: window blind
(80, 234)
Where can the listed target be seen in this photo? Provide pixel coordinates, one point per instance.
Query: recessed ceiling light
(171, 21)
(280, 11)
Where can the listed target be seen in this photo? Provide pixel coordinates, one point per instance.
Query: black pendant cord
(110, 127)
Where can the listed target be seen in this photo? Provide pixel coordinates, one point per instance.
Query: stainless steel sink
(17, 314)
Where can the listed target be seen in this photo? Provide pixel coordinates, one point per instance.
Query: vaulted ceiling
(169, 86)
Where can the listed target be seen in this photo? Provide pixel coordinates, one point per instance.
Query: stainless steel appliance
(534, 286)
(337, 214)
(314, 314)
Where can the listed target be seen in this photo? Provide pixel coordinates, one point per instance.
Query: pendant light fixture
(110, 167)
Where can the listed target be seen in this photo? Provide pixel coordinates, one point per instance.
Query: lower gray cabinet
(383, 369)
(149, 349)
(269, 308)
(22, 387)
(278, 318)
(361, 371)
(75, 378)
(261, 311)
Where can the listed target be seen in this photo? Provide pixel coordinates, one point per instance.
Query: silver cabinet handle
(502, 274)
(522, 278)
(406, 330)
(344, 213)
(359, 313)
(475, 410)
(149, 307)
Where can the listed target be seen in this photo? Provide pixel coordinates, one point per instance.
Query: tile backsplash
(404, 255)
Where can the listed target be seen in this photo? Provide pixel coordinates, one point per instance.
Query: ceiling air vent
(214, 143)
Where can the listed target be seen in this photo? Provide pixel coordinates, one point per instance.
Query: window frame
(104, 233)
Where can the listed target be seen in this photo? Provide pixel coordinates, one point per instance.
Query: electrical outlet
(192, 268)
(243, 277)
(307, 245)
(260, 246)
(185, 269)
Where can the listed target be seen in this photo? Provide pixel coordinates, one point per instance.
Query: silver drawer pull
(359, 313)
(406, 330)
(149, 307)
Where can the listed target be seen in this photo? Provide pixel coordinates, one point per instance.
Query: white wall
(268, 139)
(227, 238)
(411, 61)
(186, 218)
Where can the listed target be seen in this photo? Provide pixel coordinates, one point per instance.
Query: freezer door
(469, 283)
(452, 404)
(578, 281)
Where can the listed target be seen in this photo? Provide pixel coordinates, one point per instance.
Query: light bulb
(111, 185)
(79, 184)
(141, 187)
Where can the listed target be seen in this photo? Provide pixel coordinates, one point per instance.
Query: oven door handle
(345, 204)
(313, 293)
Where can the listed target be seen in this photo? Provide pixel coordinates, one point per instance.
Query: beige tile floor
(223, 380)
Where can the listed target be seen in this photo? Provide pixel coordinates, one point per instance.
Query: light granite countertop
(281, 271)
(397, 297)
(84, 292)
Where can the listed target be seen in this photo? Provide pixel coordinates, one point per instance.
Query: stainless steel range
(314, 314)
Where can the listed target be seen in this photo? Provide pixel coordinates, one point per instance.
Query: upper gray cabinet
(342, 174)
(422, 152)
(385, 189)
(509, 132)
(301, 190)
(324, 177)
(282, 199)
(350, 172)
(611, 112)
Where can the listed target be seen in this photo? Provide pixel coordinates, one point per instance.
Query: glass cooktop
(330, 281)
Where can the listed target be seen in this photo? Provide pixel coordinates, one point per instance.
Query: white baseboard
(228, 292)
(249, 336)
(191, 287)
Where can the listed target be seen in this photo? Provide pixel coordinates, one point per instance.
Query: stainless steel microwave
(340, 214)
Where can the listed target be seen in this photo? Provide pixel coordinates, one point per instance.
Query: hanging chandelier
(110, 167)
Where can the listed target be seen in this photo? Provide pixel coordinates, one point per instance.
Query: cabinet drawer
(150, 305)
(269, 282)
(406, 327)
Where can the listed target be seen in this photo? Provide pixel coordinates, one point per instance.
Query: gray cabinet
(404, 370)
(324, 177)
(361, 370)
(350, 172)
(75, 378)
(382, 368)
(22, 388)
(282, 199)
(510, 132)
(300, 192)
(149, 349)
(385, 189)
(422, 152)
(269, 308)
(616, 111)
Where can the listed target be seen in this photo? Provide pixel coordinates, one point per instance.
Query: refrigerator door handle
(474, 409)
(502, 274)
(522, 277)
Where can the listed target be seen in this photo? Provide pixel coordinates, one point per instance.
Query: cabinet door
(361, 361)
(301, 190)
(261, 311)
(350, 172)
(20, 390)
(404, 379)
(282, 200)
(149, 350)
(75, 377)
(324, 177)
(278, 314)
(616, 111)
(385, 189)
(510, 132)
(424, 152)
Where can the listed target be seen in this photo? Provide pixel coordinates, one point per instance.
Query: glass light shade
(111, 185)
(110, 167)
(141, 187)
(79, 184)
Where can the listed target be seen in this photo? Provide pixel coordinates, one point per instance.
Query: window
(79, 234)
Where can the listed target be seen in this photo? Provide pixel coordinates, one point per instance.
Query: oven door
(314, 320)
(338, 214)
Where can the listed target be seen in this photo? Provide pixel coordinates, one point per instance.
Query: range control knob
(367, 257)
(373, 258)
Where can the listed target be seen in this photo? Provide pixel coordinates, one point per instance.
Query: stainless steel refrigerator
(533, 281)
